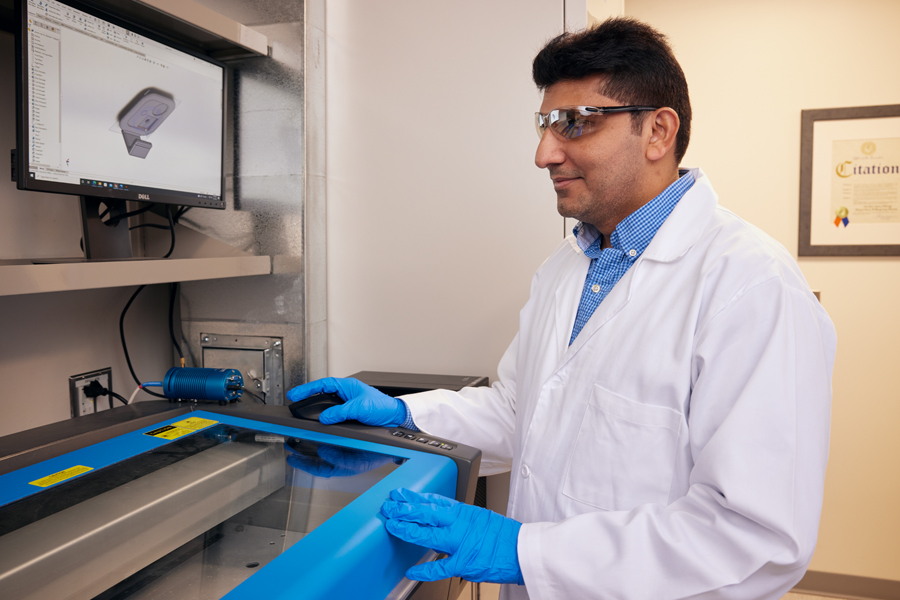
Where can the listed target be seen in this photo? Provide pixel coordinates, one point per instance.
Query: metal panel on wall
(269, 205)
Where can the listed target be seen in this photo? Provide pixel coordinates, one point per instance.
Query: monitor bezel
(152, 195)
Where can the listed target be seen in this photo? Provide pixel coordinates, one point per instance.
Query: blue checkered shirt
(629, 240)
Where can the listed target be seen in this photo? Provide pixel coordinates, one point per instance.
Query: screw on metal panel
(277, 343)
(206, 338)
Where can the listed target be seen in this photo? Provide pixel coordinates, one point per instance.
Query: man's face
(596, 176)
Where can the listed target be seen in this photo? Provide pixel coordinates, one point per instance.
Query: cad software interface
(113, 109)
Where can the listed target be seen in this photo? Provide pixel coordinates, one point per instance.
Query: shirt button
(526, 472)
(632, 253)
(595, 288)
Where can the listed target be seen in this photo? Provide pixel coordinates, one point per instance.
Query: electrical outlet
(81, 403)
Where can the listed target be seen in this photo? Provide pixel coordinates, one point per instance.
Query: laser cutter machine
(203, 501)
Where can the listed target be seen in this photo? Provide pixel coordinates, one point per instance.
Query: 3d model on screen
(142, 116)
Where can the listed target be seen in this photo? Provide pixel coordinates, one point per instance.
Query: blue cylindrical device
(223, 385)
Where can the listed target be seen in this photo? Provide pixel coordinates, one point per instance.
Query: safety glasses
(573, 121)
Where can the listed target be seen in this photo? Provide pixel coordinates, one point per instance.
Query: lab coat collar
(680, 231)
(686, 223)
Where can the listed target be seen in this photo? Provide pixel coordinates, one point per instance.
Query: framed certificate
(850, 181)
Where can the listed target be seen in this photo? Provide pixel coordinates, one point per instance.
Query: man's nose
(549, 151)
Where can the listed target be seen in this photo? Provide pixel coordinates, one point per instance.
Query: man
(664, 407)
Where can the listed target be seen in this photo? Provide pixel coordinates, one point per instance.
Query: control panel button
(446, 447)
(434, 443)
(422, 440)
(397, 433)
(410, 436)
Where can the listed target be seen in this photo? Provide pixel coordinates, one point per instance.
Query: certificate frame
(818, 129)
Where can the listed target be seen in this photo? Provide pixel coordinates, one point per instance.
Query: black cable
(153, 225)
(113, 220)
(125, 346)
(128, 305)
(115, 395)
(173, 292)
(246, 391)
(181, 212)
(172, 229)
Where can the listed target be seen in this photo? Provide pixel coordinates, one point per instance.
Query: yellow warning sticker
(195, 423)
(181, 428)
(61, 476)
(169, 432)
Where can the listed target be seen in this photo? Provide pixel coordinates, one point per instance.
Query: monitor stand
(101, 241)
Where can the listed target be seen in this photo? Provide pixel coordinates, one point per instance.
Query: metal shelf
(194, 24)
(183, 21)
(18, 279)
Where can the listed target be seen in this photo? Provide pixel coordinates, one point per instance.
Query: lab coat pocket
(624, 454)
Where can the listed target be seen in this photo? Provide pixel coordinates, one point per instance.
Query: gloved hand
(362, 402)
(326, 460)
(480, 542)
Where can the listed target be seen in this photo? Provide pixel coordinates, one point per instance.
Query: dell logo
(143, 196)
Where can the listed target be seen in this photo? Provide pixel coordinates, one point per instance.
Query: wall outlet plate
(81, 404)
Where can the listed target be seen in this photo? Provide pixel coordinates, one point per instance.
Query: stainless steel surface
(83, 550)
(406, 586)
(274, 193)
(259, 359)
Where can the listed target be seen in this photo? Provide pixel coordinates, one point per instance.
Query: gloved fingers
(425, 514)
(431, 571)
(435, 538)
(335, 414)
(407, 495)
(319, 386)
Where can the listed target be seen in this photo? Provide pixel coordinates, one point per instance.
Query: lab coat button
(595, 288)
(526, 472)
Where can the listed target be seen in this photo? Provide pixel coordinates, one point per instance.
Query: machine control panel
(423, 440)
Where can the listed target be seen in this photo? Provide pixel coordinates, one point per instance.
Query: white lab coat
(677, 449)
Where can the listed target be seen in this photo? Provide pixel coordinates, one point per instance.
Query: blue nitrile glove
(325, 460)
(362, 402)
(480, 542)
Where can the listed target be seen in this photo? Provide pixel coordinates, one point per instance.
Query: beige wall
(752, 67)
(48, 337)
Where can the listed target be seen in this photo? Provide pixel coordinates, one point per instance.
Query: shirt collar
(636, 231)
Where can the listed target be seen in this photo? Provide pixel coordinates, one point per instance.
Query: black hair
(637, 61)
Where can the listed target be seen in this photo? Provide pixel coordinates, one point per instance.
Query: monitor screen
(105, 110)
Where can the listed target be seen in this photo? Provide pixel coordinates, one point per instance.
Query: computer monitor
(110, 111)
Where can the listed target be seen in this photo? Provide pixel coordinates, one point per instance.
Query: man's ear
(660, 129)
